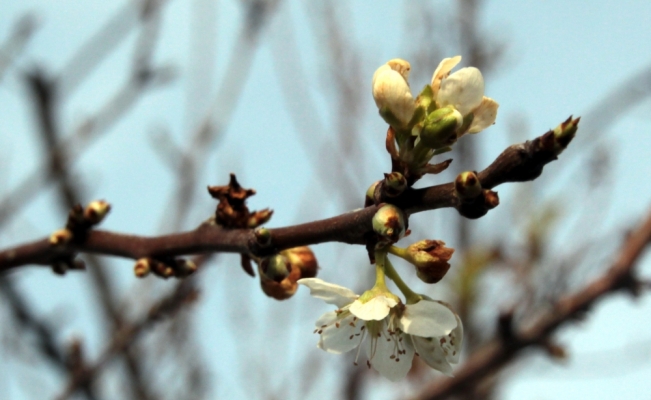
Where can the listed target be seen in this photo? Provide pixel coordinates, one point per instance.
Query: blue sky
(561, 58)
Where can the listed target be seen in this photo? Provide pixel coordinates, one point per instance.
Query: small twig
(126, 335)
(45, 335)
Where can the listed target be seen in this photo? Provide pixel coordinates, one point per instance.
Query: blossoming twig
(517, 163)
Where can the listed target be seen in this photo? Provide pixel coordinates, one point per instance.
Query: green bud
(370, 194)
(564, 133)
(440, 128)
(394, 184)
(275, 267)
(467, 185)
(389, 223)
(262, 236)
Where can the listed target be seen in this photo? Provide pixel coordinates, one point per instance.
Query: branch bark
(521, 162)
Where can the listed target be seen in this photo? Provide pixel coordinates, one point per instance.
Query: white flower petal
(455, 342)
(427, 319)
(326, 319)
(442, 71)
(430, 351)
(383, 353)
(341, 338)
(328, 292)
(464, 90)
(391, 90)
(485, 115)
(375, 309)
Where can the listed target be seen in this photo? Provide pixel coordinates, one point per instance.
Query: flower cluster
(452, 105)
(391, 332)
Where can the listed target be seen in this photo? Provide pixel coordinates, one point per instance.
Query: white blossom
(391, 90)
(395, 331)
(464, 90)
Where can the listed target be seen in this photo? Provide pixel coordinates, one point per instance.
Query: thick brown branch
(499, 352)
(517, 163)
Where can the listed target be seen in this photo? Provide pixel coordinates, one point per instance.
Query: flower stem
(399, 251)
(420, 153)
(380, 268)
(411, 296)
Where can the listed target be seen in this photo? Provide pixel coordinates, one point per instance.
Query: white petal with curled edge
(442, 71)
(328, 292)
(379, 351)
(375, 309)
(391, 90)
(341, 338)
(326, 319)
(464, 90)
(430, 351)
(455, 343)
(485, 115)
(427, 319)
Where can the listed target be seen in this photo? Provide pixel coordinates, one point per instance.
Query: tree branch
(517, 163)
(497, 353)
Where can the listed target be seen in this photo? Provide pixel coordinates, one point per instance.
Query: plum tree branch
(521, 162)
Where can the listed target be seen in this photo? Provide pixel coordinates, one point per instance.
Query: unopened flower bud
(467, 185)
(167, 271)
(279, 288)
(394, 184)
(392, 93)
(564, 133)
(389, 223)
(262, 236)
(491, 199)
(60, 237)
(95, 211)
(440, 128)
(430, 258)
(259, 217)
(185, 268)
(369, 199)
(276, 267)
(425, 100)
(302, 258)
(142, 267)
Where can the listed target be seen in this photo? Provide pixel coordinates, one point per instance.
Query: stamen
(359, 347)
